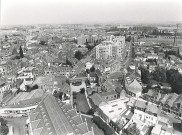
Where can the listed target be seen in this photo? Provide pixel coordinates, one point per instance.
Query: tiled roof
(97, 71)
(97, 99)
(135, 87)
(152, 108)
(103, 94)
(140, 104)
(24, 96)
(171, 99)
(56, 118)
(116, 75)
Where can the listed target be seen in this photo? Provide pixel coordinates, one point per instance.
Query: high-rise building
(112, 48)
(81, 40)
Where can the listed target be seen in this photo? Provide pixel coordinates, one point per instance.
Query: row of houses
(170, 103)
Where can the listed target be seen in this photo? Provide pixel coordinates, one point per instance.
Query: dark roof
(118, 89)
(98, 72)
(116, 75)
(92, 74)
(127, 114)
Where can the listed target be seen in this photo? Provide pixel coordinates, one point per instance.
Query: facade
(110, 49)
(83, 39)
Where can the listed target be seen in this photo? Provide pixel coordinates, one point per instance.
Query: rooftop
(135, 87)
(152, 108)
(114, 108)
(56, 117)
(22, 96)
(97, 99)
(140, 104)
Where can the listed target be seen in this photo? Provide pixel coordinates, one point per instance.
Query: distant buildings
(110, 49)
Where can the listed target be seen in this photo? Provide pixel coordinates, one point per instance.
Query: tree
(133, 52)
(14, 51)
(86, 43)
(82, 90)
(92, 69)
(6, 36)
(87, 71)
(43, 43)
(90, 112)
(78, 55)
(21, 52)
(55, 94)
(35, 87)
(102, 125)
(68, 82)
(68, 62)
(174, 78)
(128, 39)
(28, 88)
(87, 82)
(3, 127)
(89, 47)
(159, 74)
(60, 95)
(75, 41)
(145, 75)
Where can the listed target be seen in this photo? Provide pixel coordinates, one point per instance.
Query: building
(134, 88)
(110, 49)
(53, 117)
(81, 40)
(149, 116)
(22, 103)
(112, 109)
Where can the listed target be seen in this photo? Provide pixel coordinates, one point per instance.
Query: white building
(88, 65)
(149, 116)
(81, 40)
(113, 109)
(110, 49)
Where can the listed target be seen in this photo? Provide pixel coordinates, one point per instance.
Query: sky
(18, 12)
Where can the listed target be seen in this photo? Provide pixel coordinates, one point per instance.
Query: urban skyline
(17, 12)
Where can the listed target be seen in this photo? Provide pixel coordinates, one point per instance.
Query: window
(114, 105)
(111, 111)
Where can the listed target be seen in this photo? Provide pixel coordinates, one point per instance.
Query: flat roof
(114, 108)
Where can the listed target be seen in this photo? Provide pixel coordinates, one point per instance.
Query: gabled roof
(97, 99)
(135, 87)
(140, 104)
(103, 94)
(116, 75)
(98, 72)
(55, 117)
